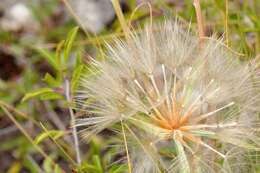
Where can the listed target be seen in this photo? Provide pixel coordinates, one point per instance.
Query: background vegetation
(38, 68)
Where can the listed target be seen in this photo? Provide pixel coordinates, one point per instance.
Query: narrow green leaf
(15, 167)
(184, 164)
(78, 59)
(76, 76)
(85, 167)
(30, 164)
(118, 169)
(69, 42)
(47, 165)
(36, 93)
(51, 96)
(57, 169)
(97, 162)
(55, 134)
(51, 81)
(50, 57)
(59, 50)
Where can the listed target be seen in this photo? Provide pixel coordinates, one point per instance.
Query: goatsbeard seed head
(185, 108)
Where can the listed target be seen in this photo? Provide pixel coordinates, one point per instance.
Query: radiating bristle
(186, 108)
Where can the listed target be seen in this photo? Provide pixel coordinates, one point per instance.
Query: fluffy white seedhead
(190, 108)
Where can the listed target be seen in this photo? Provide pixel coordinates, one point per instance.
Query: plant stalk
(121, 18)
(72, 117)
(196, 4)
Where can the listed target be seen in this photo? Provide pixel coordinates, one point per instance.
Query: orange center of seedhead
(169, 117)
(173, 117)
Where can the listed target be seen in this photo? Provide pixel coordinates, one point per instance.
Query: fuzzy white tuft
(197, 108)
